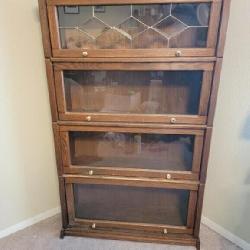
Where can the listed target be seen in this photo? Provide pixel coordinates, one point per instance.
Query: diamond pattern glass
(94, 27)
(113, 15)
(76, 39)
(170, 26)
(191, 37)
(73, 20)
(113, 39)
(182, 25)
(152, 13)
(131, 27)
(149, 39)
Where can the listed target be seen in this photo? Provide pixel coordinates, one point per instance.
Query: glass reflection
(137, 92)
(148, 151)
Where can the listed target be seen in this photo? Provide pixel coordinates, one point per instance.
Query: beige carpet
(44, 236)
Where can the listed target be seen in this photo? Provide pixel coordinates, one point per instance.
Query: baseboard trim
(29, 222)
(225, 233)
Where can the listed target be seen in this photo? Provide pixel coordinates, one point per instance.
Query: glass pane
(113, 15)
(134, 26)
(76, 39)
(131, 204)
(192, 14)
(94, 27)
(113, 39)
(190, 37)
(131, 27)
(137, 92)
(132, 150)
(150, 39)
(170, 26)
(152, 13)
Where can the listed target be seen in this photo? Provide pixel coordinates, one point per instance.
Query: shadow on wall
(243, 228)
(246, 129)
(245, 135)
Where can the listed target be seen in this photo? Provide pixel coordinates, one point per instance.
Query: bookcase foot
(198, 244)
(62, 234)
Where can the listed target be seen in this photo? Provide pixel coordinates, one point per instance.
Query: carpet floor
(44, 236)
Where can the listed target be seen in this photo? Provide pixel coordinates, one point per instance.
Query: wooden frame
(199, 211)
(61, 180)
(214, 92)
(223, 27)
(52, 91)
(45, 28)
(102, 2)
(210, 50)
(205, 155)
(173, 239)
(129, 181)
(69, 168)
(200, 118)
(138, 60)
(154, 228)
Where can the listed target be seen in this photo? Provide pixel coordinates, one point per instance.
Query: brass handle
(85, 53)
(88, 118)
(178, 53)
(91, 172)
(165, 231)
(169, 176)
(93, 226)
(173, 120)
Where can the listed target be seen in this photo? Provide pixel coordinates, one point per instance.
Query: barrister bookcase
(133, 87)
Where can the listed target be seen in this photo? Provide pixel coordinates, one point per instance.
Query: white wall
(28, 181)
(227, 196)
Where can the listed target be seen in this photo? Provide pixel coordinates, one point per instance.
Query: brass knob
(93, 226)
(91, 172)
(169, 176)
(85, 53)
(165, 231)
(173, 120)
(178, 53)
(88, 118)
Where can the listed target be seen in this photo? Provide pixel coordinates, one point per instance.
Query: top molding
(97, 2)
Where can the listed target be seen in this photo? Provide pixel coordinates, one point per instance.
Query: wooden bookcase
(133, 87)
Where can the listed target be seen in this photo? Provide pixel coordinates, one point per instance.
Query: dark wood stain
(129, 172)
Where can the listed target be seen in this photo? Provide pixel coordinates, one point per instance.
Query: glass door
(146, 30)
(134, 92)
(102, 204)
(151, 153)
